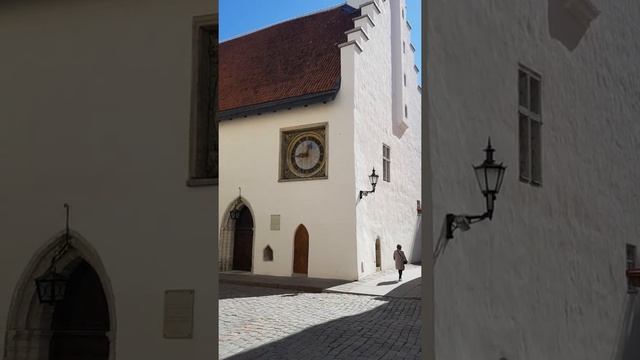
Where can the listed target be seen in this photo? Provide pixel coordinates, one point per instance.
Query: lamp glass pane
(493, 175)
(479, 171)
(500, 178)
(44, 290)
(59, 287)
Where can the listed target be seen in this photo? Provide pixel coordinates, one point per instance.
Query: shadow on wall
(352, 337)
(442, 242)
(569, 20)
(416, 252)
(628, 347)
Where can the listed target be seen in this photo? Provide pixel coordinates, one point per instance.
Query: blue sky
(238, 17)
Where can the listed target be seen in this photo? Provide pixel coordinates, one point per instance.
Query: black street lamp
(235, 213)
(489, 175)
(52, 286)
(373, 179)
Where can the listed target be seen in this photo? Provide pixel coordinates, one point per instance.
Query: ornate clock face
(304, 154)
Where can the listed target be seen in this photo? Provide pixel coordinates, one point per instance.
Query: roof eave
(276, 105)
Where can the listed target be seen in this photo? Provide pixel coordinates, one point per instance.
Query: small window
(530, 126)
(267, 254)
(631, 264)
(406, 111)
(405, 79)
(404, 48)
(403, 13)
(386, 163)
(204, 125)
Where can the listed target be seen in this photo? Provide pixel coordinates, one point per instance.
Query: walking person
(400, 260)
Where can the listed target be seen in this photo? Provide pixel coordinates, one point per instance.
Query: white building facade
(96, 112)
(545, 279)
(325, 213)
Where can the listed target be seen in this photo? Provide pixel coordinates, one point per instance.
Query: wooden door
(378, 255)
(301, 251)
(243, 241)
(81, 320)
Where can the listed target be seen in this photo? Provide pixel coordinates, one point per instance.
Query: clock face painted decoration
(303, 154)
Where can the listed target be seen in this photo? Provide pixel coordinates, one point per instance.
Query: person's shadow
(387, 283)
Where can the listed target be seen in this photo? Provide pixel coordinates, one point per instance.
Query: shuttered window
(530, 126)
(204, 125)
(386, 163)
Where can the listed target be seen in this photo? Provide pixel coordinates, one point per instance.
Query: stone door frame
(226, 237)
(29, 333)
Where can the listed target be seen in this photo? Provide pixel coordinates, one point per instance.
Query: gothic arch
(227, 235)
(29, 322)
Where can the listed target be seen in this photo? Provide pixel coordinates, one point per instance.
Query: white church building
(556, 85)
(308, 108)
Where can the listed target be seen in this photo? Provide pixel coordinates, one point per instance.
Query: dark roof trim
(276, 105)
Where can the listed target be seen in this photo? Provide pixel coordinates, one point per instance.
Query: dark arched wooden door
(81, 320)
(301, 251)
(243, 241)
(378, 255)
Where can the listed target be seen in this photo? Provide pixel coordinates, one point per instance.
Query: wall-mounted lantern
(234, 214)
(373, 179)
(52, 286)
(489, 175)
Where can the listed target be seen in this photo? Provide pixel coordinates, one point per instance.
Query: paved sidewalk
(385, 283)
(382, 283)
(301, 283)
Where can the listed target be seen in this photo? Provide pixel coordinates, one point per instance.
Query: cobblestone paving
(265, 323)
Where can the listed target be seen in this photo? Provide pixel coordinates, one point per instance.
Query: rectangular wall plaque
(275, 222)
(178, 314)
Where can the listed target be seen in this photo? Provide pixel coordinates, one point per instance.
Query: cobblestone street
(267, 323)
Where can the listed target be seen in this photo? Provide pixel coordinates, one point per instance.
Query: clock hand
(306, 153)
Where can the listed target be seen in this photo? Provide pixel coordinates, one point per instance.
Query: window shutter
(523, 92)
(524, 147)
(536, 152)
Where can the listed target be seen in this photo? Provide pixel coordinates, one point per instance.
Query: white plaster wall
(95, 107)
(249, 158)
(390, 213)
(544, 279)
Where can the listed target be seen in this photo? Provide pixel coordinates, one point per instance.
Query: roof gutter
(276, 105)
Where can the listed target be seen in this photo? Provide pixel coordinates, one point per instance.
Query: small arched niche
(267, 253)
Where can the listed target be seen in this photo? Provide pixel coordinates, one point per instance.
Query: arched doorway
(81, 320)
(37, 331)
(301, 251)
(378, 255)
(232, 254)
(243, 241)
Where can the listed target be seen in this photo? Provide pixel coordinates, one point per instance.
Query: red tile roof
(284, 63)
